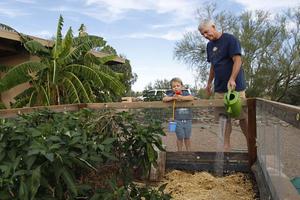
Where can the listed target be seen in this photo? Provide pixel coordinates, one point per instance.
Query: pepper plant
(44, 155)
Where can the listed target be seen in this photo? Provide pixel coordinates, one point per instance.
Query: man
(224, 54)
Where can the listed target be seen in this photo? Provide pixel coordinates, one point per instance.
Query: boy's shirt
(181, 113)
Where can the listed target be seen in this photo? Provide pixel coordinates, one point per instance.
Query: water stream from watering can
(219, 159)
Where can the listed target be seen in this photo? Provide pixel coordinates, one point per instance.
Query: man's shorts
(221, 110)
(183, 129)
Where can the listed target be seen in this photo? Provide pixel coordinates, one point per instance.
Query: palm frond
(112, 83)
(79, 86)
(24, 38)
(67, 43)
(106, 69)
(36, 48)
(60, 24)
(92, 38)
(89, 59)
(23, 98)
(2, 105)
(32, 100)
(58, 40)
(79, 51)
(71, 91)
(46, 100)
(20, 74)
(105, 59)
(87, 86)
(111, 78)
(4, 68)
(87, 72)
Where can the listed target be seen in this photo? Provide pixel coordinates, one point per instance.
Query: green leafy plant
(43, 151)
(131, 191)
(67, 72)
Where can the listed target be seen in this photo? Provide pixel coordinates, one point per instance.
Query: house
(12, 53)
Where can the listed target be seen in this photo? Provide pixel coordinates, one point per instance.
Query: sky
(144, 31)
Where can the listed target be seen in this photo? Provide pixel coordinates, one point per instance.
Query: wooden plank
(262, 184)
(285, 112)
(118, 105)
(195, 156)
(157, 104)
(9, 113)
(251, 137)
(199, 161)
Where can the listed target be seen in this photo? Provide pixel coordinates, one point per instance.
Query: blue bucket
(172, 127)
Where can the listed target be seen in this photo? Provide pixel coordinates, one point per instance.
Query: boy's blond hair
(176, 79)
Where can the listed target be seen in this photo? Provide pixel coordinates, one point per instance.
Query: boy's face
(176, 86)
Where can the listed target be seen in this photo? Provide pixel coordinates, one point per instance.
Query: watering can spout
(229, 110)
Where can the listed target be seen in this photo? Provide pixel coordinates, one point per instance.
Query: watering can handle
(228, 93)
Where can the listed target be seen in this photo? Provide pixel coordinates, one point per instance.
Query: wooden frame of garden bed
(204, 160)
(266, 181)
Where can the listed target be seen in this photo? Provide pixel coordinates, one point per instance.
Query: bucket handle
(173, 113)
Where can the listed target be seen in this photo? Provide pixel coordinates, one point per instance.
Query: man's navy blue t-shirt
(219, 54)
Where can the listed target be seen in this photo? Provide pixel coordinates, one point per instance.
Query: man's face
(208, 32)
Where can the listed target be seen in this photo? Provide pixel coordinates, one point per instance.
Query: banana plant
(67, 72)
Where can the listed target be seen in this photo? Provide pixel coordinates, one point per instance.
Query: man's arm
(210, 79)
(237, 63)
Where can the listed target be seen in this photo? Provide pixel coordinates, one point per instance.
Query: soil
(203, 186)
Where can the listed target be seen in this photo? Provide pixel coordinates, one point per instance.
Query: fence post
(251, 137)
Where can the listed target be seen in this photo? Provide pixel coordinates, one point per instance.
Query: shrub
(44, 155)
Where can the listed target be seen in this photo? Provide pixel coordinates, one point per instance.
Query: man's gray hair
(205, 22)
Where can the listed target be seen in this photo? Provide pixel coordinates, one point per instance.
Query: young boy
(183, 116)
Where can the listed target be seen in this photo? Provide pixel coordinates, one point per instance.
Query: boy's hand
(175, 97)
(179, 97)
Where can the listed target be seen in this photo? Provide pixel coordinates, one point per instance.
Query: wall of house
(8, 96)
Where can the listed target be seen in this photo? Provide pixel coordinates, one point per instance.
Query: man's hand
(208, 89)
(231, 84)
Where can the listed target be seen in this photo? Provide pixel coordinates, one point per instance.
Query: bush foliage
(46, 155)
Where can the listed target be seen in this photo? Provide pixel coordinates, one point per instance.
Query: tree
(158, 84)
(68, 72)
(271, 49)
(128, 77)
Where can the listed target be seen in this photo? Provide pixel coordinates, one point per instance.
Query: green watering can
(233, 103)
